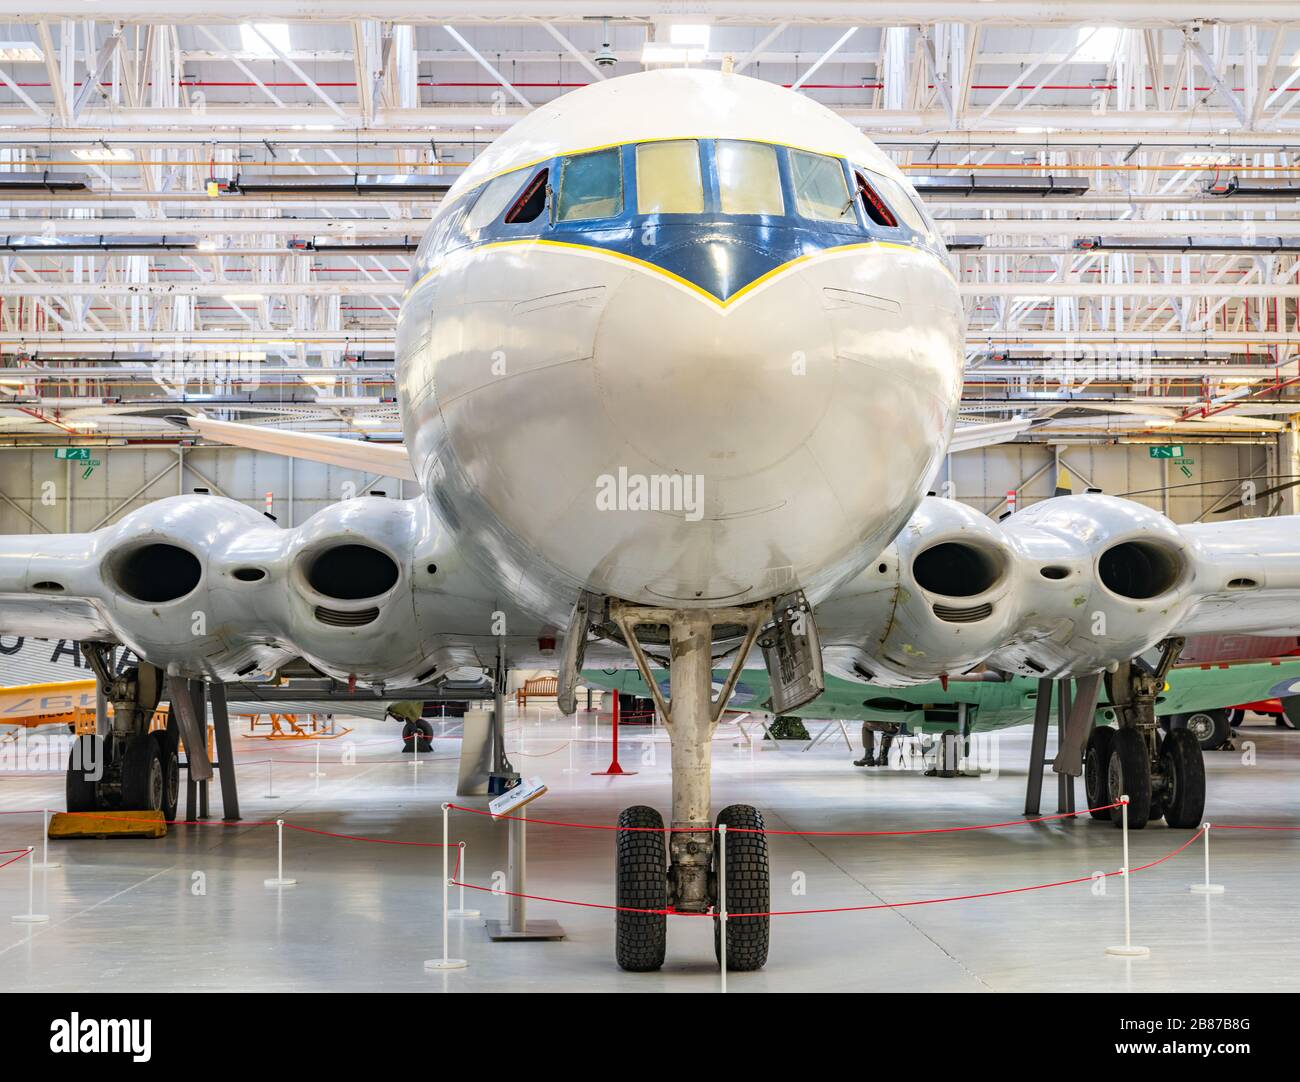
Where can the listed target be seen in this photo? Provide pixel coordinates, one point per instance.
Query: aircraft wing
(986, 433)
(36, 704)
(387, 459)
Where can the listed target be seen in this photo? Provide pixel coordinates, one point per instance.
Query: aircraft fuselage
(690, 368)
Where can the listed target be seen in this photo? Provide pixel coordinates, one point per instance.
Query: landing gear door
(792, 652)
(573, 651)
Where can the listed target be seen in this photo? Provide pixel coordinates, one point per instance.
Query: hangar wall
(33, 483)
(1187, 488)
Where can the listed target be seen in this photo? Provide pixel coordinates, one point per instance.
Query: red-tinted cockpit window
(531, 201)
(874, 206)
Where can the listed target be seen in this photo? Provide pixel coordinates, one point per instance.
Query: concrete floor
(191, 911)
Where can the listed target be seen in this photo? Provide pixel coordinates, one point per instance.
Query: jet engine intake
(155, 573)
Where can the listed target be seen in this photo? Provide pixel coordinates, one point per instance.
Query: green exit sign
(80, 454)
(1173, 450)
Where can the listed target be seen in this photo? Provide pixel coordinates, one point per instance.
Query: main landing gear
(126, 767)
(658, 869)
(1162, 778)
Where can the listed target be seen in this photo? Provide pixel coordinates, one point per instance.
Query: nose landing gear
(677, 869)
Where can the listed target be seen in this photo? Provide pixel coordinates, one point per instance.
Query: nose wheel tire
(640, 873)
(1184, 769)
(748, 890)
(1096, 771)
(1129, 774)
(143, 783)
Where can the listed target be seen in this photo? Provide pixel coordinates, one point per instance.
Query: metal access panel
(792, 652)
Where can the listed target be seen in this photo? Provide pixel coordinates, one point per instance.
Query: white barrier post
(722, 900)
(1207, 887)
(279, 880)
(1128, 950)
(434, 964)
(31, 916)
(45, 843)
(270, 781)
(460, 910)
(317, 773)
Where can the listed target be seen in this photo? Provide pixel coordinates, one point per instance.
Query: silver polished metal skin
(1225, 577)
(372, 589)
(1069, 586)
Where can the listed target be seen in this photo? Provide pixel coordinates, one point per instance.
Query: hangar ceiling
(217, 213)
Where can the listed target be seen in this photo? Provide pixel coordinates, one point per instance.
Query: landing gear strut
(126, 767)
(689, 882)
(1161, 778)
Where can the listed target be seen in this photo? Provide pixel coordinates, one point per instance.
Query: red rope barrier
(927, 830)
(541, 754)
(795, 833)
(21, 853)
(970, 897)
(373, 841)
(358, 762)
(1249, 826)
(840, 909)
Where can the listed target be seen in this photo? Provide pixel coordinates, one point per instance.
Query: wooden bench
(539, 687)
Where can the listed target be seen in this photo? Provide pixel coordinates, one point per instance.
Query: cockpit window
(424, 251)
(668, 178)
(898, 201)
(931, 226)
(749, 181)
(819, 188)
(492, 200)
(875, 207)
(591, 186)
(531, 201)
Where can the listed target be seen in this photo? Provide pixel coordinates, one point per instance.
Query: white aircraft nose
(724, 392)
(804, 456)
(650, 442)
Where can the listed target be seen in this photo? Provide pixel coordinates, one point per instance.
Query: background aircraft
(994, 701)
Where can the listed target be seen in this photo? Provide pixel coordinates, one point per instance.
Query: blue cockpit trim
(719, 253)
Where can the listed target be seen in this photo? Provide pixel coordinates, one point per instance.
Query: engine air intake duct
(956, 569)
(1139, 570)
(156, 573)
(352, 572)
